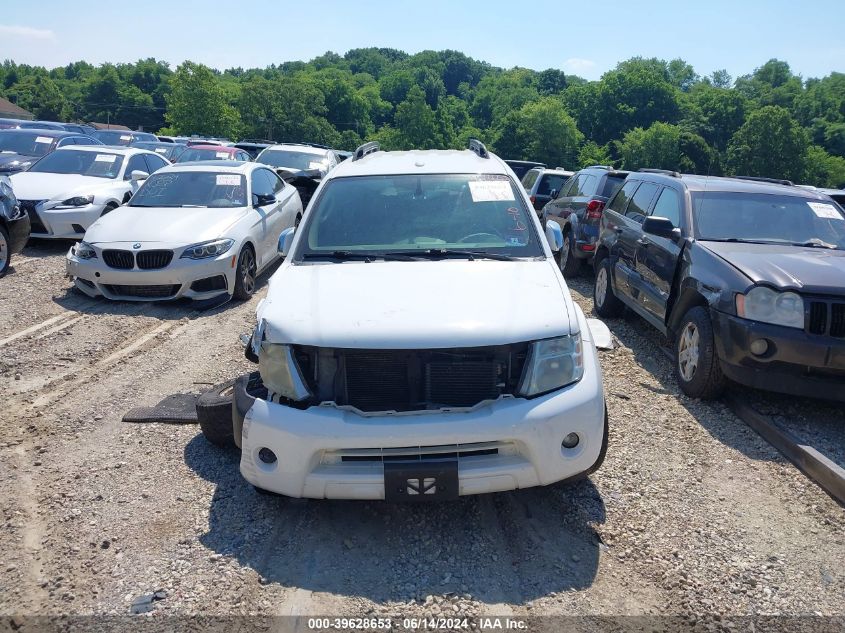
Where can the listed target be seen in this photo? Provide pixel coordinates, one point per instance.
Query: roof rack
(774, 181)
(478, 147)
(363, 150)
(665, 172)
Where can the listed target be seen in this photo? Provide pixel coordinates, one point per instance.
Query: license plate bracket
(421, 482)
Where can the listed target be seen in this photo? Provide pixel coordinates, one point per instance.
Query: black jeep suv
(746, 278)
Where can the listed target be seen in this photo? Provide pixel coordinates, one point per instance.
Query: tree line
(643, 113)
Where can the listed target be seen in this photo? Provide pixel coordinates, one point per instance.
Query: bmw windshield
(419, 216)
(729, 216)
(191, 189)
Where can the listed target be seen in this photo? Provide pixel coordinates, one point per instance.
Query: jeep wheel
(697, 366)
(606, 303)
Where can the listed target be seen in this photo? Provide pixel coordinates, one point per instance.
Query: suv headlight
(205, 250)
(84, 251)
(280, 372)
(771, 306)
(76, 201)
(551, 364)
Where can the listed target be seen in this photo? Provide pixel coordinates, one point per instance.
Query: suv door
(657, 257)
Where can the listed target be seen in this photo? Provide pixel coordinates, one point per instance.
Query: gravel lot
(691, 514)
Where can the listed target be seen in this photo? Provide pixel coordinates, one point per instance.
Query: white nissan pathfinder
(419, 341)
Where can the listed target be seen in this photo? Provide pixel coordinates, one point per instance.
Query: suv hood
(817, 270)
(43, 186)
(416, 305)
(176, 226)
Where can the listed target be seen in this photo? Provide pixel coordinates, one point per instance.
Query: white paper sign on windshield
(104, 158)
(43, 139)
(825, 210)
(161, 150)
(228, 180)
(125, 137)
(315, 165)
(222, 155)
(490, 190)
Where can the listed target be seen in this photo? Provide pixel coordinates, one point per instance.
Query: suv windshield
(27, 143)
(768, 218)
(69, 161)
(300, 161)
(425, 215)
(191, 189)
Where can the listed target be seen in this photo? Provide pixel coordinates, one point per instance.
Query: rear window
(549, 182)
(611, 185)
(529, 178)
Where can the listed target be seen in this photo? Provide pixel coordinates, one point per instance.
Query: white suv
(296, 157)
(419, 341)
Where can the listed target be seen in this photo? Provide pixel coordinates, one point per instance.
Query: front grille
(144, 292)
(414, 380)
(35, 223)
(124, 260)
(826, 317)
(418, 453)
(149, 260)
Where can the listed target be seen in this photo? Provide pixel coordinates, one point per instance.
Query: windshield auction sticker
(125, 137)
(228, 180)
(43, 139)
(825, 210)
(490, 190)
(222, 155)
(104, 158)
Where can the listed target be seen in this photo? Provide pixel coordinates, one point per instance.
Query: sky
(584, 38)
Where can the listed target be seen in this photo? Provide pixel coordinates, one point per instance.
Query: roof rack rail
(608, 167)
(665, 172)
(363, 150)
(478, 147)
(774, 181)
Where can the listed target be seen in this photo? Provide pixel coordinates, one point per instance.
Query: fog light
(759, 346)
(570, 441)
(267, 456)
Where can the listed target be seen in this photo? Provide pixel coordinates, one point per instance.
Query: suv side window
(529, 178)
(638, 209)
(586, 185)
(668, 206)
(620, 200)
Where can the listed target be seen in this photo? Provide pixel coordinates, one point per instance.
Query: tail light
(594, 209)
(533, 199)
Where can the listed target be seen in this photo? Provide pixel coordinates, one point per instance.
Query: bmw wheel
(245, 275)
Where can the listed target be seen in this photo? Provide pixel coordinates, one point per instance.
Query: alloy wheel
(688, 355)
(564, 252)
(248, 271)
(601, 286)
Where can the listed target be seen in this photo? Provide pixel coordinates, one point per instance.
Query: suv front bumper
(795, 362)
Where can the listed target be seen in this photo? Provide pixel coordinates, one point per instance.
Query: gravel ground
(691, 514)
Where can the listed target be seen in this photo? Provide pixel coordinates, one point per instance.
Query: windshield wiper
(737, 240)
(339, 256)
(816, 243)
(444, 253)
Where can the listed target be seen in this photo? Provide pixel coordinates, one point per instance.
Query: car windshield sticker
(43, 139)
(825, 210)
(104, 158)
(161, 150)
(222, 155)
(228, 180)
(490, 190)
(315, 164)
(125, 137)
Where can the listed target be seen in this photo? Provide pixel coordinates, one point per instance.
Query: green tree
(824, 170)
(416, 123)
(593, 154)
(722, 112)
(40, 95)
(197, 103)
(769, 143)
(665, 146)
(541, 130)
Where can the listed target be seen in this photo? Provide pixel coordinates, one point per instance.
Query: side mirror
(286, 241)
(661, 227)
(554, 235)
(261, 199)
(137, 175)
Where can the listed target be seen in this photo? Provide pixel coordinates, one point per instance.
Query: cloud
(27, 32)
(578, 64)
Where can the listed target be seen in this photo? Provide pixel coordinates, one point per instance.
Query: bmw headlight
(84, 251)
(76, 201)
(205, 250)
(771, 306)
(280, 372)
(552, 363)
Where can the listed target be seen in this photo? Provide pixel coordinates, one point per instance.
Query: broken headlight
(84, 251)
(552, 364)
(280, 372)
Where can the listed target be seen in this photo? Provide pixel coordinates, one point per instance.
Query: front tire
(697, 368)
(5, 250)
(245, 275)
(605, 303)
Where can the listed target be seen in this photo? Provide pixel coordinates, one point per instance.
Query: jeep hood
(416, 305)
(814, 270)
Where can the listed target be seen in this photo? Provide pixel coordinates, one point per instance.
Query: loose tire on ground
(214, 412)
(605, 303)
(5, 252)
(697, 368)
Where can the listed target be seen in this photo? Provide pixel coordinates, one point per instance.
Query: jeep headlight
(552, 364)
(771, 306)
(84, 251)
(280, 372)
